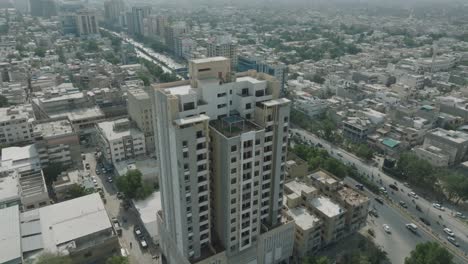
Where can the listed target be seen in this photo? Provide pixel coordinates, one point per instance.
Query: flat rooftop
(107, 129)
(207, 60)
(352, 197)
(299, 187)
(323, 177)
(54, 128)
(147, 210)
(248, 79)
(274, 102)
(10, 234)
(327, 206)
(232, 126)
(303, 218)
(454, 136)
(19, 153)
(80, 113)
(15, 113)
(139, 93)
(9, 187)
(180, 90)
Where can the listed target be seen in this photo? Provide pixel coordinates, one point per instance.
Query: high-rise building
(114, 10)
(173, 31)
(221, 140)
(223, 46)
(277, 69)
(43, 8)
(135, 19)
(87, 23)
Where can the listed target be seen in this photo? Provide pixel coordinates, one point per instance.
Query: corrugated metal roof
(10, 244)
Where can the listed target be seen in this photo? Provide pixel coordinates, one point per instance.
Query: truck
(116, 225)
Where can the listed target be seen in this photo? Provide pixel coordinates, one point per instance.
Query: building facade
(140, 112)
(221, 141)
(223, 46)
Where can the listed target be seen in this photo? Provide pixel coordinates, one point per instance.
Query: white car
(386, 228)
(95, 181)
(414, 195)
(449, 232)
(438, 206)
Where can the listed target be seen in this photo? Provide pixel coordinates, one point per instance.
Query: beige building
(223, 46)
(221, 141)
(140, 113)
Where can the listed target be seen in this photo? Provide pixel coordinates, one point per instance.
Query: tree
(144, 77)
(429, 253)
(315, 260)
(318, 79)
(52, 171)
(50, 258)
(91, 46)
(3, 101)
(132, 186)
(117, 260)
(455, 185)
(40, 52)
(77, 191)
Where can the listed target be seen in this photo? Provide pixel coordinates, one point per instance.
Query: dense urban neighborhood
(247, 132)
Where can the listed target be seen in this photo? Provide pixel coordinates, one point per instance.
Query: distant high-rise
(113, 11)
(87, 23)
(173, 31)
(223, 46)
(135, 19)
(43, 8)
(221, 141)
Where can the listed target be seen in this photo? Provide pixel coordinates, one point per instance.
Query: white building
(118, 141)
(140, 112)
(223, 46)
(16, 124)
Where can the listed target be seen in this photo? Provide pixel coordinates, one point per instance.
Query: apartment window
(186, 166)
(230, 91)
(184, 143)
(286, 119)
(185, 154)
(257, 141)
(248, 106)
(221, 106)
(233, 210)
(233, 159)
(233, 148)
(189, 106)
(199, 134)
(233, 170)
(233, 220)
(230, 102)
(233, 181)
(221, 94)
(233, 201)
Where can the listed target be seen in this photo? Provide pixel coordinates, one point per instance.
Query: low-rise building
(453, 143)
(434, 155)
(16, 124)
(139, 111)
(332, 215)
(119, 142)
(356, 128)
(356, 205)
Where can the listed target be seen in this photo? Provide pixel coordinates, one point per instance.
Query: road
(114, 209)
(427, 211)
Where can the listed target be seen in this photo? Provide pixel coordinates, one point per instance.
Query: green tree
(40, 52)
(144, 77)
(52, 171)
(3, 101)
(91, 46)
(455, 185)
(315, 260)
(77, 191)
(50, 258)
(132, 186)
(429, 253)
(117, 260)
(318, 79)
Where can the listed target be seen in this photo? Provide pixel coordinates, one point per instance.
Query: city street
(113, 207)
(427, 210)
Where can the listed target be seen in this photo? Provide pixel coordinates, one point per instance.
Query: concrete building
(87, 23)
(16, 125)
(333, 216)
(452, 143)
(434, 155)
(173, 31)
(114, 11)
(277, 69)
(135, 19)
(43, 8)
(223, 46)
(140, 113)
(57, 142)
(356, 205)
(357, 128)
(79, 228)
(119, 142)
(221, 143)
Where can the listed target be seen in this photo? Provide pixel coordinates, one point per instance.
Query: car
(116, 224)
(383, 190)
(360, 187)
(97, 171)
(418, 208)
(87, 166)
(425, 221)
(379, 200)
(143, 242)
(137, 230)
(403, 204)
(438, 206)
(414, 195)
(109, 179)
(406, 184)
(394, 187)
(412, 227)
(386, 228)
(123, 252)
(453, 241)
(339, 154)
(460, 215)
(449, 232)
(374, 213)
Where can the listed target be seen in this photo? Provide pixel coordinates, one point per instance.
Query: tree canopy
(52, 171)
(50, 258)
(3, 101)
(429, 253)
(132, 185)
(117, 260)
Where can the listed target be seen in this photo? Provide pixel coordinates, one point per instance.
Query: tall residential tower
(221, 140)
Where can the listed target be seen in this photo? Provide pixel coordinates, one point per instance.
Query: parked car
(373, 213)
(425, 221)
(116, 224)
(418, 208)
(143, 242)
(87, 166)
(453, 241)
(137, 230)
(412, 227)
(379, 200)
(460, 215)
(403, 204)
(109, 179)
(360, 187)
(449, 232)
(414, 195)
(394, 187)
